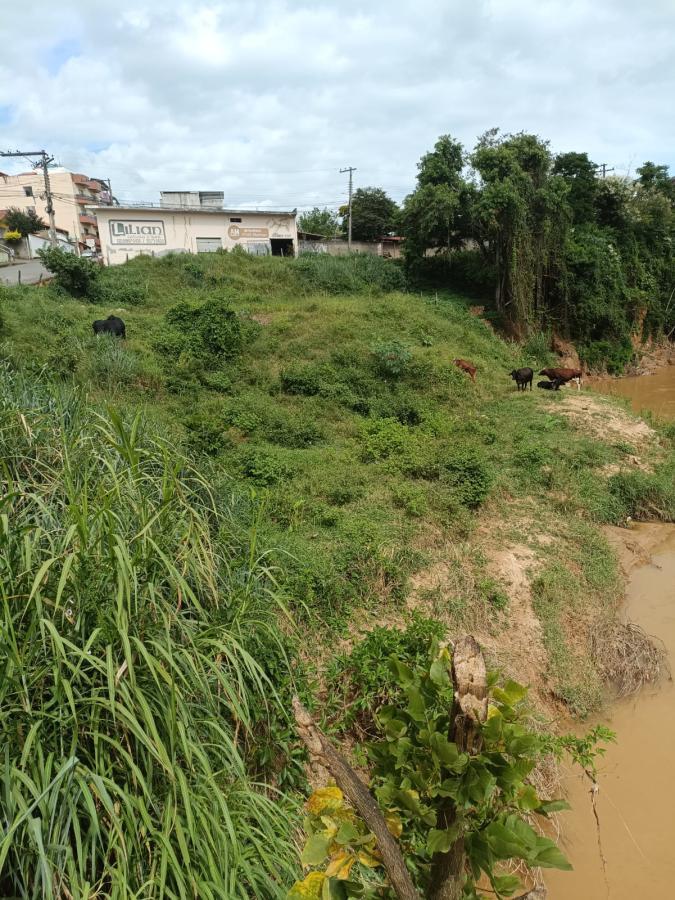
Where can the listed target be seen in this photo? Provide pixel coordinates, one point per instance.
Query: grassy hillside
(280, 457)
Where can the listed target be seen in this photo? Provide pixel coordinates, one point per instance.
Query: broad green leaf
(527, 799)
(552, 857)
(439, 673)
(510, 693)
(416, 705)
(440, 840)
(550, 806)
(315, 850)
(404, 674)
(505, 884)
(346, 834)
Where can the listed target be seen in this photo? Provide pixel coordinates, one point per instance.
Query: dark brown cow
(467, 367)
(564, 375)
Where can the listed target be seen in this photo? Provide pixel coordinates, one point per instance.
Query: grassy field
(279, 457)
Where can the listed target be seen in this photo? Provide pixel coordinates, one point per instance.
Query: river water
(636, 802)
(653, 392)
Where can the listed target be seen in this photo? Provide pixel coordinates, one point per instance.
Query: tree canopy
(374, 214)
(319, 221)
(560, 247)
(28, 222)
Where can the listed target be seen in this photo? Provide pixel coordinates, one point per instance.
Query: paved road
(30, 272)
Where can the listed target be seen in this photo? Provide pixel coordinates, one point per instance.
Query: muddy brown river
(636, 802)
(645, 392)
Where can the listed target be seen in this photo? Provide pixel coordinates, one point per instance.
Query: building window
(235, 219)
(28, 191)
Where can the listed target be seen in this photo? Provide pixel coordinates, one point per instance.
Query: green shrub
(412, 498)
(361, 682)
(306, 380)
(200, 337)
(613, 356)
(467, 471)
(383, 438)
(291, 430)
(264, 466)
(391, 358)
(122, 287)
(76, 275)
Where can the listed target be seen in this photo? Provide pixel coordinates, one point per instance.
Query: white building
(127, 231)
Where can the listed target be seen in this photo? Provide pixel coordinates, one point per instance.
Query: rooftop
(209, 211)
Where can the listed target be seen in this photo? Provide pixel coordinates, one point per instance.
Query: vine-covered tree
(552, 242)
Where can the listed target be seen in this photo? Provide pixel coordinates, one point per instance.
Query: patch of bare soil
(605, 420)
(636, 545)
(262, 318)
(520, 646)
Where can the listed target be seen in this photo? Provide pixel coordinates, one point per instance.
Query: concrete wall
(126, 233)
(341, 248)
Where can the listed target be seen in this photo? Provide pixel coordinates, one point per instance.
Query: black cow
(550, 385)
(112, 325)
(522, 378)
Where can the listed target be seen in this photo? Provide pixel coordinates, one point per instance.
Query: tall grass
(126, 691)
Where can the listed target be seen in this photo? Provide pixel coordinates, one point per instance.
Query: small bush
(383, 438)
(467, 471)
(412, 498)
(264, 467)
(305, 380)
(645, 495)
(209, 334)
(76, 275)
(391, 358)
(362, 682)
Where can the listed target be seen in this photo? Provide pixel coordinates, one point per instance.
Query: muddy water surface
(653, 392)
(636, 803)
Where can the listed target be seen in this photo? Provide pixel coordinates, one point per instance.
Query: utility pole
(351, 170)
(43, 163)
(604, 168)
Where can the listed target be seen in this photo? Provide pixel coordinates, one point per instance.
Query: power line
(43, 162)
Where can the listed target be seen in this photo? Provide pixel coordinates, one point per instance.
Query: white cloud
(267, 100)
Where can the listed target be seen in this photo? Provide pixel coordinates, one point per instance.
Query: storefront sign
(236, 231)
(135, 231)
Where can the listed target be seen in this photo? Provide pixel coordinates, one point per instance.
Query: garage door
(209, 245)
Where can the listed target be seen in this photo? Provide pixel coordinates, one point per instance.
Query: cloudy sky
(267, 100)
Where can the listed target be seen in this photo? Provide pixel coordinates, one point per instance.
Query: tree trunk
(322, 753)
(469, 678)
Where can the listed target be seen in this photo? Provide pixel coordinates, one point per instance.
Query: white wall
(126, 233)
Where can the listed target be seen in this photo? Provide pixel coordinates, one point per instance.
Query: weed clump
(354, 274)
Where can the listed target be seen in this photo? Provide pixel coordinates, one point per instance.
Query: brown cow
(564, 375)
(467, 367)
